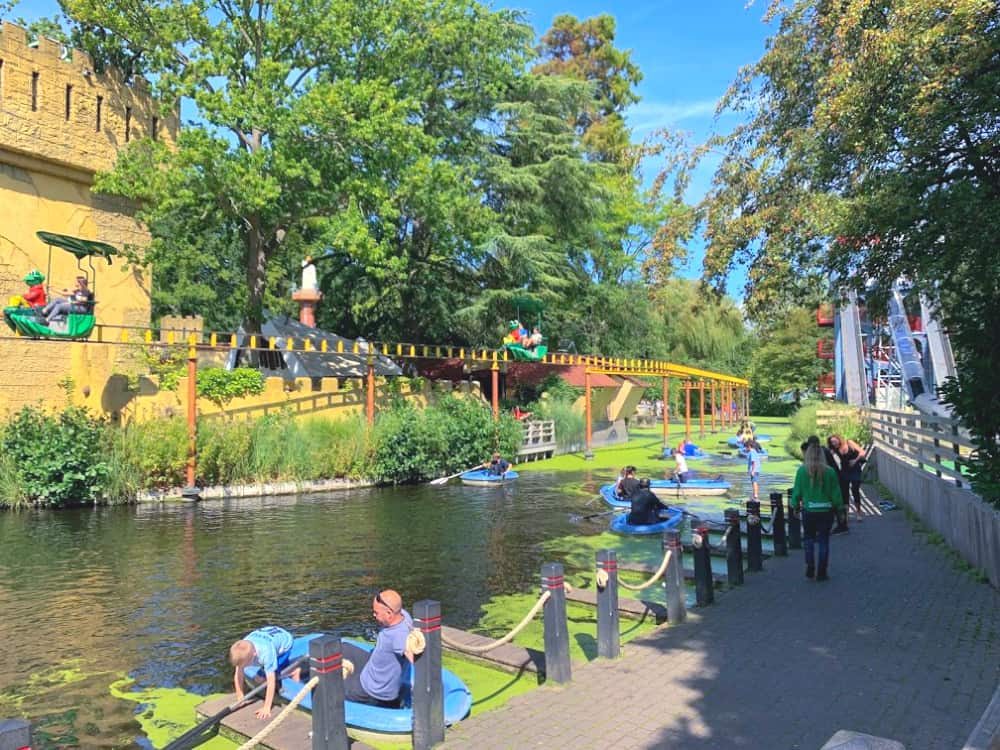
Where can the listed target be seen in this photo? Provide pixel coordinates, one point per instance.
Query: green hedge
(848, 424)
(74, 458)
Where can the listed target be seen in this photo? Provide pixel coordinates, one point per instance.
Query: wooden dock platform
(508, 657)
(239, 726)
(634, 609)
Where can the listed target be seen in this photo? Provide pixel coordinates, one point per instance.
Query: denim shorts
(755, 477)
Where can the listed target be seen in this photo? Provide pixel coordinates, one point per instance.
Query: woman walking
(817, 495)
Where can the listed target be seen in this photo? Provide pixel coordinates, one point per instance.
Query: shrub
(410, 445)
(225, 453)
(155, 452)
(847, 423)
(221, 386)
(58, 458)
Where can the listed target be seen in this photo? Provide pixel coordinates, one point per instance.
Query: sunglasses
(380, 600)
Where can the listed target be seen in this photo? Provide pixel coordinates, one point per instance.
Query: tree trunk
(256, 258)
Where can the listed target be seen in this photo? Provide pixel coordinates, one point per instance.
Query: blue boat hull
(666, 488)
(482, 478)
(457, 698)
(735, 442)
(620, 524)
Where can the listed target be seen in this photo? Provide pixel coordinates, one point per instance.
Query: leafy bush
(220, 386)
(58, 458)
(847, 423)
(411, 445)
(225, 451)
(154, 452)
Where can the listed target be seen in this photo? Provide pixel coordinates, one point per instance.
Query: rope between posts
(285, 712)
(662, 569)
(507, 638)
(722, 544)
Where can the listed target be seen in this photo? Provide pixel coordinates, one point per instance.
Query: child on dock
(267, 648)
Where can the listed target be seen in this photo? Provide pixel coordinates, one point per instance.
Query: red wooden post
(191, 490)
(589, 454)
(370, 405)
(713, 407)
(701, 409)
(687, 409)
(666, 411)
(495, 384)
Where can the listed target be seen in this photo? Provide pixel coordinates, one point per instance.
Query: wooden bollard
(755, 549)
(794, 525)
(734, 548)
(703, 585)
(778, 524)
(15, 734)
(673, 576)
(608, 626)
(326, 657)
(428, 691)
(557, 666)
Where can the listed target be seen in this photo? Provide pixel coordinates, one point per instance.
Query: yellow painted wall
(49, 155)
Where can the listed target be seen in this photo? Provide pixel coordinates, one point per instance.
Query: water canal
(100, 605)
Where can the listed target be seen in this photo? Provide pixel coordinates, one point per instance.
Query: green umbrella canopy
(80, 248)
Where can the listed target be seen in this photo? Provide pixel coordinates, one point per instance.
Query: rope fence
(656, 576)
(285, 713)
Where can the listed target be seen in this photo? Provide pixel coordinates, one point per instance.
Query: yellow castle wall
(49, 154)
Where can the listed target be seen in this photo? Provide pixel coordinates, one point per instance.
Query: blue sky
(689, 52)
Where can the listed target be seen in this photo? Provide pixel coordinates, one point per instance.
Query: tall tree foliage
(343, 123)
(873, 151)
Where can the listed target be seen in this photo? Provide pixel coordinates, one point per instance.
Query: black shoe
(810, 571)
(842, 529)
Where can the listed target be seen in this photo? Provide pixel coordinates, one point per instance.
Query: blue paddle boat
(735, 442)
(669, 489)
(620, 524)
(375, 719)
(483, 478)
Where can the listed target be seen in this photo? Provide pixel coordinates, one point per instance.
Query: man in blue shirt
(267, 648)
(378, 674)
(498, 466)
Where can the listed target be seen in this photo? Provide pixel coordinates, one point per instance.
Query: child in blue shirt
(267, 648)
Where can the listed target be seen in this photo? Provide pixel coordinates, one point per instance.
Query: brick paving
(899, 643)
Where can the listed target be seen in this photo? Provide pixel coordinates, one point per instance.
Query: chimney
(308, 295)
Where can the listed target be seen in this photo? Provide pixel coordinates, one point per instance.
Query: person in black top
(629, 485)
(646, 506)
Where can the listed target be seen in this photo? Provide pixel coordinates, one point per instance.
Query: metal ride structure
(888, 361)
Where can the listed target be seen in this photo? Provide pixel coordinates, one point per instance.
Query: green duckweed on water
(166, 713)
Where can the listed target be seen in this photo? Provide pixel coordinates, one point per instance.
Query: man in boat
(267, 648)
(534, 340)
(646, 506)
(378, 674)
(498, 466)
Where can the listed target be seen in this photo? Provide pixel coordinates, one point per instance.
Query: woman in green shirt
(817, 495)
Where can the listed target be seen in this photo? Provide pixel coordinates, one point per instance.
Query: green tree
(340, 124)
(872, 151)
(785, 359)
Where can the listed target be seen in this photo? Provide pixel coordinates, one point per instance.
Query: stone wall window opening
(100, 106)
(153, 131)
(34, 91)
(69, 101)
(128, 124)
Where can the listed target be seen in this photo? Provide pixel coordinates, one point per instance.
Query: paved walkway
(899, 643)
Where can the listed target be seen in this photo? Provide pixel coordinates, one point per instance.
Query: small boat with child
(377, 719)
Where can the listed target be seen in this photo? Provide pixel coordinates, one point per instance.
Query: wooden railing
(935, 444)
(539, 439)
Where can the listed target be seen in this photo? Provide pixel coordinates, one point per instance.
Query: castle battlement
(55, 108)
